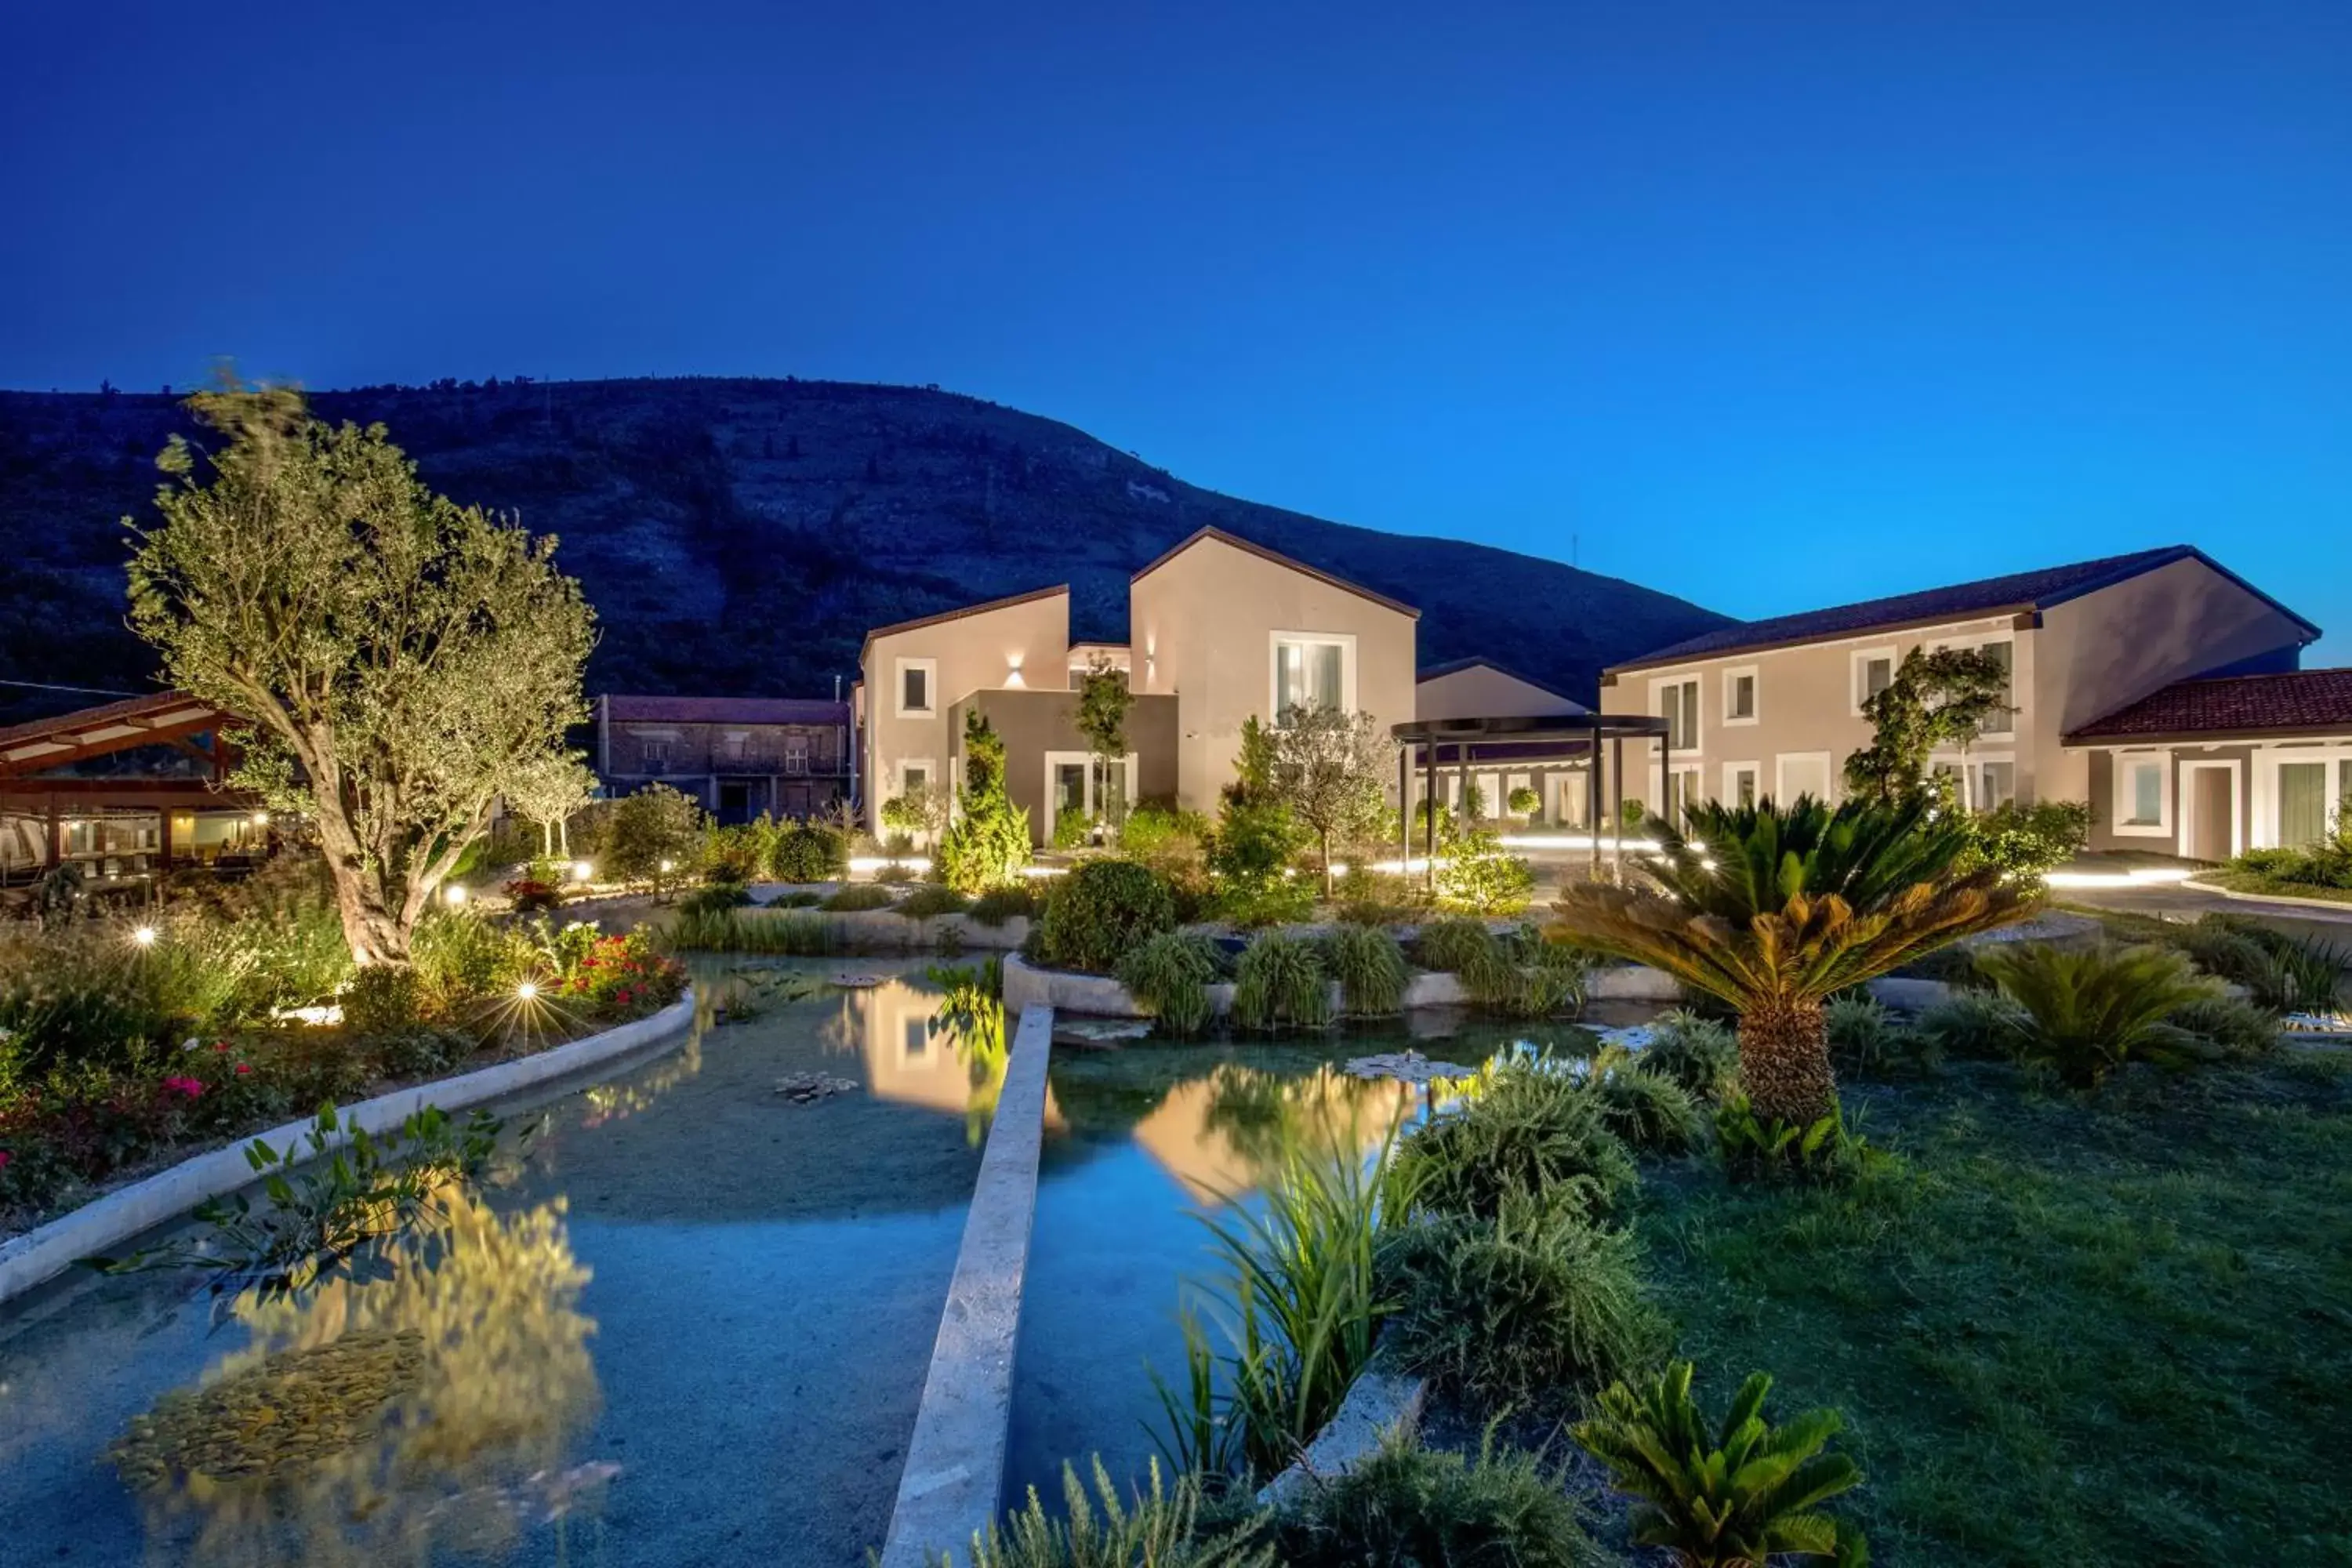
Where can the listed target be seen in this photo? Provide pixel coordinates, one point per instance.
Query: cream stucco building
(1221, 631)
(1773, 708)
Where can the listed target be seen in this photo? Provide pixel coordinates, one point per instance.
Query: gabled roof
(919, 622)
(1280, 559)
(2018, 592)
(2290, 702)
(725, 709)
(1456, 665)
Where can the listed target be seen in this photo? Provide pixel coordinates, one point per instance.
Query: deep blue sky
(1772, 305)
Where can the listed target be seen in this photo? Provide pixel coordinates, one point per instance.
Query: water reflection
(1224, 1135)
(375, 1422)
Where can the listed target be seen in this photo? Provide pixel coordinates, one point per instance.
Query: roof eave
(1250, 547)
(1854, 634)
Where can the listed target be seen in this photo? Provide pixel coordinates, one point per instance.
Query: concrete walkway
(2184, 901)
(954, 1476)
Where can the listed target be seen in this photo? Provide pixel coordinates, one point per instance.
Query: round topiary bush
(808, 852)
(1101, 910)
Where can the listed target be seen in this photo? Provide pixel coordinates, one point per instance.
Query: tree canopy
(402, 660)
(1329, 767)
(1942, 699)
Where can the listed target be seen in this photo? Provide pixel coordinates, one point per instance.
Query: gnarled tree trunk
(1784, 1062)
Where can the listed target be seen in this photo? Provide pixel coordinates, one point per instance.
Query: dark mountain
(739, 537)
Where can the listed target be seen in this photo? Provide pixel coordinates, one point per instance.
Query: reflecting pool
(1145, 1139)
(686, 1320)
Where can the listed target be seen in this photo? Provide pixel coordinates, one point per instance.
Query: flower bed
(109, 1071)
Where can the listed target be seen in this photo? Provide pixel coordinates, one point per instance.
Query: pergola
(28, 752)
(1432, 745)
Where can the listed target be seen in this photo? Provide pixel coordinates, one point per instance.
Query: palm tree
(1774, 908)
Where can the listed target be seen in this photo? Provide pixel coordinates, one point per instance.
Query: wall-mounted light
(1012, 672)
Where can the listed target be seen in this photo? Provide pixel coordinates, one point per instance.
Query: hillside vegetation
(741, 536)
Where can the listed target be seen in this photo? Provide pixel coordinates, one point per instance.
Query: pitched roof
(1478, 661)
(2017, 592)
(40, 743)
(2296, 701)
(919, 622)
(1280, 559)
(726, 709)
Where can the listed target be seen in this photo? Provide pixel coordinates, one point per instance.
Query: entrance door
(734, 802)
(2212, 812)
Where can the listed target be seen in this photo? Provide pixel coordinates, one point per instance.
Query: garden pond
(686, 1317)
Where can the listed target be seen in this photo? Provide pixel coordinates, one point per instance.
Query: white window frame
(930, 772)
(1092, 806)
(1693, 775)
(1970, 778)
(1344, 641)
(1782, 795)
(2268, 760)
(1984, 639)
(2188, 769)
(1698, 748)
(930, 669)
(1855, 660)
(1731, 772)
(796, 755)
(1755, 694)
(2120, 794)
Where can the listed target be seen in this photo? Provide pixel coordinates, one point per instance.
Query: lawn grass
(2113, 1328)
(2260, 882)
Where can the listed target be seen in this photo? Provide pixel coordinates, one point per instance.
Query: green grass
(2112, 1328)
(2263, 883)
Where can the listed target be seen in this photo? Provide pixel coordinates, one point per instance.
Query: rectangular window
(2000, 653)
(1739, 697)
(915, 694)
(1873, 672)
(1683, 791)
(2302, 803)
(1803, 773)
(1677, 703)
(1309, 674)
(2144, 792)
(1739, 785)
(919, 1039)
(796, 754)
(731, 745)
(655, 755)
(913, 776)
(1996, 785)
(1070, 789)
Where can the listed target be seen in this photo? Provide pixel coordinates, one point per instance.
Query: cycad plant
(1740, 1495)
(1772, 909)
(2089, 1010)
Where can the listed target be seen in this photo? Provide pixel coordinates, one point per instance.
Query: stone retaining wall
(104, 1224)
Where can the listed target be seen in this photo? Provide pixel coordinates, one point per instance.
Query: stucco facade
(914, 673)
(1782, 718)
(1204, 622)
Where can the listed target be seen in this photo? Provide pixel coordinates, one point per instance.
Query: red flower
(243, 1068)
(191, 1087)
(220, 1045)
(5, 1158)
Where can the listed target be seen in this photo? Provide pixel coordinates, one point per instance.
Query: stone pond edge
(49, 1250)
(952, 1482)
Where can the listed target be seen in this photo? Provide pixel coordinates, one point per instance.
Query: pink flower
(5, 1158)
(191, 1087)
(220, 1045)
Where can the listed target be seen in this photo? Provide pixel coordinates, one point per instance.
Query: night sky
(1769, 305)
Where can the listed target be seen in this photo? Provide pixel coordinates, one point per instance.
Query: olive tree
(1329, 767)
(400, 660)
(1103, 698)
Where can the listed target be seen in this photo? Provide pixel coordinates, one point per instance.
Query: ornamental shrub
(1411, 1505)
(998, 905)
(1169, 977)
(988, 843)
(809, 852)
(1698, 1054)
(381, 999)
(641, 831)
(1280, 983)
(1101, 910)
(931, 899)
(1371, 969)
(857, 899)
(1523, 1127)
(1475, 875)
(1650, 1112)
(1524, 801)
(1530, 1309)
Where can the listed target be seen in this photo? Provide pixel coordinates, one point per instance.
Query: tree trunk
(1784, 1063)
(370, 924)
(1325, 839)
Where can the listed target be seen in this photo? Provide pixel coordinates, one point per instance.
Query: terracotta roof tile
(2289, 703)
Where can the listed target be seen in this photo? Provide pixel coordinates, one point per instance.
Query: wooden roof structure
(166, 718)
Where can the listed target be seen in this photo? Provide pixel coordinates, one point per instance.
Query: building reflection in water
(1226, 1133)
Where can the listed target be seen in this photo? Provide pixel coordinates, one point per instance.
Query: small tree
(1329, 767)
(648, 836)
(547, 790)
(400, 660)
(920, 810)
(988, 844)
(1103, 702)
(1941, 699)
